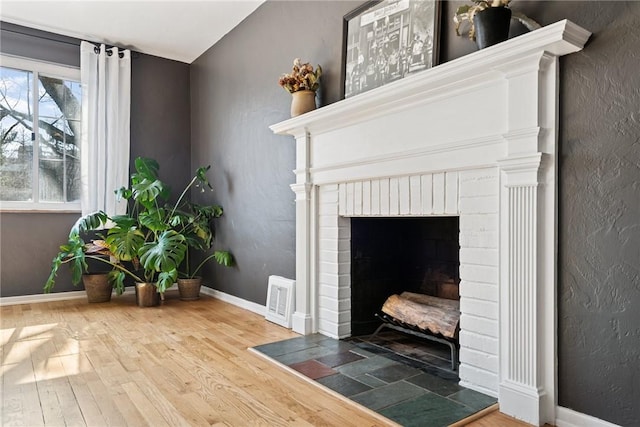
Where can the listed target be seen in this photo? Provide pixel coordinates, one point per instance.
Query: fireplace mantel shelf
(558, 39)
(475, 138)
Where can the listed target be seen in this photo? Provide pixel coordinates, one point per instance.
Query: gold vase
(147, 295)
(302, 102)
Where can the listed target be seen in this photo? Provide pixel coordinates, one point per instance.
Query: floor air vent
(280, 300)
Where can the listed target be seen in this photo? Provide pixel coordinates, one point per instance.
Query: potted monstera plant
(76, 252)
(194, 221)
(149, 242)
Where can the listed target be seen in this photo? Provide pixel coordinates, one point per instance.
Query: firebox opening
(393, 255)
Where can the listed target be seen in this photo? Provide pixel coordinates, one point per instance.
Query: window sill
(17, 207)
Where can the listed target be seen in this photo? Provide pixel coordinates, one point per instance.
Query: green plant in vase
(75, 254)
(151, 240)
(195, 222)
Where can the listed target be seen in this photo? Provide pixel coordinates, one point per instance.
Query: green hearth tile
(393, 373)
(427, 410)
(302, 355)
(389, 395)
(286, 346)
(363, 366)
(435, 384)
(473, 399)
(370, 381)
(344, 385)
(339, 359)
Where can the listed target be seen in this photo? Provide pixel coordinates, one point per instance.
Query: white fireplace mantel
(474, 137)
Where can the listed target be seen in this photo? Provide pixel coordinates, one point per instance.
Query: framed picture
(387, 40)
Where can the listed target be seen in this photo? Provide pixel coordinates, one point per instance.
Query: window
(40, 132)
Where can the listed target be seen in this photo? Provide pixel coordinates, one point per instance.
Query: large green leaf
(180, 219)
(201, 175)
(125, 243)
(147, 191)
(147, 168)
(116, 277)
(164, 254)
(199, 234)
(123, 193)
(124, 221)
(223, 258)
(89, 222)
(154, 219)
(73, 253)
(166, 279)
(208, 212)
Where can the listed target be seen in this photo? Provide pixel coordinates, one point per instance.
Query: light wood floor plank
(179, 364)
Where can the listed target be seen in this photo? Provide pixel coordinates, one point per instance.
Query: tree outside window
(40, 132)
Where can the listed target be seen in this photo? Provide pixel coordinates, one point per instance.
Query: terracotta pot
(189, 289)
(492, 26)
(302, 102)
(147, 295)
(97, 287)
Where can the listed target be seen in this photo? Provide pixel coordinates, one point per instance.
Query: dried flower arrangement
(301, 78)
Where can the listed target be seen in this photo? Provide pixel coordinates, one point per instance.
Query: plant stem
(191, 276)
(182, 195)
(119, 267)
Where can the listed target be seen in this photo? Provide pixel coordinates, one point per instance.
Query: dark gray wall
(599, 274)
(160, 128)
(160, 117)
(235, 97)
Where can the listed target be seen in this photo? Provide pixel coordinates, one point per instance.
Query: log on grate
(432, 318)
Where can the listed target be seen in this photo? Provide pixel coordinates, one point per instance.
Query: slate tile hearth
(413, 388)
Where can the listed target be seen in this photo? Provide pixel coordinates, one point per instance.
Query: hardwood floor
(180, 364)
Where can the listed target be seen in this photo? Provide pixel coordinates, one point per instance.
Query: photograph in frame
(387, 40)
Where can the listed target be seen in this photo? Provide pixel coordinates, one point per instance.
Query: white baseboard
(61, 296)
(58, 296)
(238, 302)
(566, 417)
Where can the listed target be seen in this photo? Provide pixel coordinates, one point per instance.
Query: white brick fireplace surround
(475, 138)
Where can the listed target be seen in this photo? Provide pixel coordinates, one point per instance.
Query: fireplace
(474, 138)
(393, 255)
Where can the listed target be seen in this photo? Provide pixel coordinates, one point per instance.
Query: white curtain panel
(106, 106)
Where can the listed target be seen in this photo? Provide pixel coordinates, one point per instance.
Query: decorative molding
(559, 39)
(302, 190)
(446, 147)
(521, 171)
(566, 417)
(418, 146)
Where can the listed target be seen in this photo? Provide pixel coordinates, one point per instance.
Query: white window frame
(51, 70)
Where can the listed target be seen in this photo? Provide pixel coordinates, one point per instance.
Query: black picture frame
(387, 40)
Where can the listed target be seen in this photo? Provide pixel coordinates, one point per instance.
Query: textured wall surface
(599, 205)
(234, 98)
(599, 263)
(160, 128)
(160, 117)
